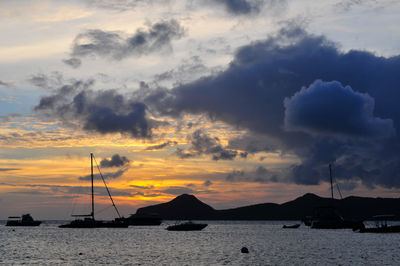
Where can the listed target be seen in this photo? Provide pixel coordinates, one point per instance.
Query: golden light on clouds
(53, 158)
(192, 108)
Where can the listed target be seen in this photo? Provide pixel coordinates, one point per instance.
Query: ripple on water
(218, 244)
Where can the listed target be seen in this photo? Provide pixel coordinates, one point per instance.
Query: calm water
(217, 244)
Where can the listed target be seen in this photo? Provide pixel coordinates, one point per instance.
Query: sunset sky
(236, 102)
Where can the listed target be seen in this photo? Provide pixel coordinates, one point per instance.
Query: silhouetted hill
(182, 207)
(264, 211)
(189, 207)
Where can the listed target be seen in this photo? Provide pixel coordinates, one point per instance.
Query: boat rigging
(89, 220)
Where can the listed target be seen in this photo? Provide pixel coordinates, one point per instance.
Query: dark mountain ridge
(182, 207)
(189, 207)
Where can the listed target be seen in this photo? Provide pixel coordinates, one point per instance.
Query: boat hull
(94, 224)
(388, 229)
(294, 226)
(186, 227)
(334, 224)
(326, 217)
(19, 223)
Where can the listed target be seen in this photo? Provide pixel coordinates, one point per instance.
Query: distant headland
(188, 207)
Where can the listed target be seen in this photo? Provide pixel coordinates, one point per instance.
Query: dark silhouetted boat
(327, 217)
(381, 225)
(186, 226)
(88, 220)
(24, 220)
(293, 226)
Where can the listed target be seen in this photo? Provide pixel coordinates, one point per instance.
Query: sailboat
(326, 217)
(88, 220)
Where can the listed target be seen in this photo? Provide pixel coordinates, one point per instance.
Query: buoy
(244, 250)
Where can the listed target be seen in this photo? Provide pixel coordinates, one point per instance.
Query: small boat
(24, 220)
(186, 226)
(327, 217)
(294, 226)
(89, 221)
(381, 225)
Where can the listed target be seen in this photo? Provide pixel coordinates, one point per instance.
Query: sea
(220, 243)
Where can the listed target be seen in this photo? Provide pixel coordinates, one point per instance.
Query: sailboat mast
(330, 174)
(108, 191)
(91, 177)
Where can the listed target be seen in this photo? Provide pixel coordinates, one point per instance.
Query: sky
(237, 102)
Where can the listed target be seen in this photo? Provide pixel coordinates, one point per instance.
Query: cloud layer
(287, 92)
(115, 161)
(241, 7)
(115, 45)
(328, 108)
(233, 7)
(251, 94)
(201, 143)
(100, 111)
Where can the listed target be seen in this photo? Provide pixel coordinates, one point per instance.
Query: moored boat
(24, 220)
(381, 225)
(327, 217)
(89, 221)
(187, 226)
(293, 226)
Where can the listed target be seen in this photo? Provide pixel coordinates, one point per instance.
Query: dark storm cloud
(251, 92)
(201, 143)
(61, 94)
(328, 108)
(100, 111)
(115, 161)
(115, 45)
